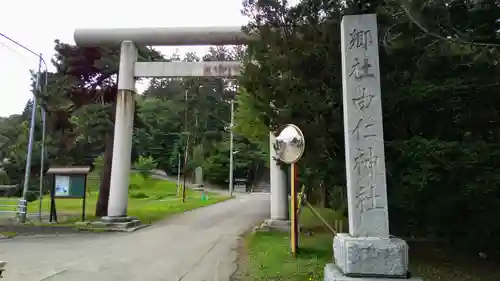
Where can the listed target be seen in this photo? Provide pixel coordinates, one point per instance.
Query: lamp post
(23, 203)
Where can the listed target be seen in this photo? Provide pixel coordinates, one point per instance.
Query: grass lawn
(149, 201)
(267, 257)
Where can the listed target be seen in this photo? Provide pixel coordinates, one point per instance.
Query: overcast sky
(36, 24)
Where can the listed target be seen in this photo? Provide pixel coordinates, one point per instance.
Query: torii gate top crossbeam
(163, 36)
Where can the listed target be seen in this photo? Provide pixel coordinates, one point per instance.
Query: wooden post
(53, 211)
(84, 197)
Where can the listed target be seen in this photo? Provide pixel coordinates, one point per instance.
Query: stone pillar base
(118, 223)
(333, 273)
(370, 256)
(273, 224)
(2, 266)
(280, 225)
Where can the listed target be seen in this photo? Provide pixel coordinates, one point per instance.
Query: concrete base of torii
(118, 224)
(278, 225)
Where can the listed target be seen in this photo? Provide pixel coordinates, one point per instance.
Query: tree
(249, 123)
(86, 76)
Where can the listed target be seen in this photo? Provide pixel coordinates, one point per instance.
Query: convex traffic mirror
(290, 144)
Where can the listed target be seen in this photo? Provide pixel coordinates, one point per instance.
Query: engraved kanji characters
(361, 71)
(364, 100)
(365, 166)
(360, 39)
(367, 199)
(207, 70)
(365, 163)
(363, 129)
(364, 134)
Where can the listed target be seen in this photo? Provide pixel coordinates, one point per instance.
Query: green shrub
(145, 165)
(31, 196)
(138, 195)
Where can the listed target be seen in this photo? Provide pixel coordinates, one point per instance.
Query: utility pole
(231, 164)
(23, 203)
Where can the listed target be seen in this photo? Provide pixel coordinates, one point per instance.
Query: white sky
(36, 24)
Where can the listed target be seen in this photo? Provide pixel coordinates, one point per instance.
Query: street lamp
(23, 203)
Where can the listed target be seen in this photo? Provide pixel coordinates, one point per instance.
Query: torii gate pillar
(124, 125)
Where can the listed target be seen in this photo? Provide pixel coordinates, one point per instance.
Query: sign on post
(68, 182)
(240, 184)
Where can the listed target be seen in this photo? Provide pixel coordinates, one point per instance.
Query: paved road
(195, 246)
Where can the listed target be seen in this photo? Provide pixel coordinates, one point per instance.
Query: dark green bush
(138, 195)
(446, 191)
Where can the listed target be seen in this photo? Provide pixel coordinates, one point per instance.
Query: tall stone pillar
(367, 252)
(122, 145)
(279, 194)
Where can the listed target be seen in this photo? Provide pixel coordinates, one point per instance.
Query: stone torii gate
(130, 69)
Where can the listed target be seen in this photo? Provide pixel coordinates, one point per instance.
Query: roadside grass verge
(267, 256)
(269, 252)
(149, 201)
(7, 234)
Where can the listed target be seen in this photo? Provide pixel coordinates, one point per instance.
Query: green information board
(68, 183)
(69, 186)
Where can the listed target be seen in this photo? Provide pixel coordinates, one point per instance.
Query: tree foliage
(439, 74)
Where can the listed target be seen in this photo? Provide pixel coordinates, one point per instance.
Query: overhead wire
(11, 49)
(32, 52)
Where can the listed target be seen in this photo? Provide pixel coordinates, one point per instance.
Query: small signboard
(240, 184)
(68, 182)
(222, 68)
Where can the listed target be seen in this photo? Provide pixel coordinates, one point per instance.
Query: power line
(11, 49)
(22, 46)
(29, 50)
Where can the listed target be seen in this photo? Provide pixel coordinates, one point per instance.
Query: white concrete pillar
(279, 194)
(124, 124)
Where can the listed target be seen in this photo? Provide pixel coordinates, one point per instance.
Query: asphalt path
(195, 246)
